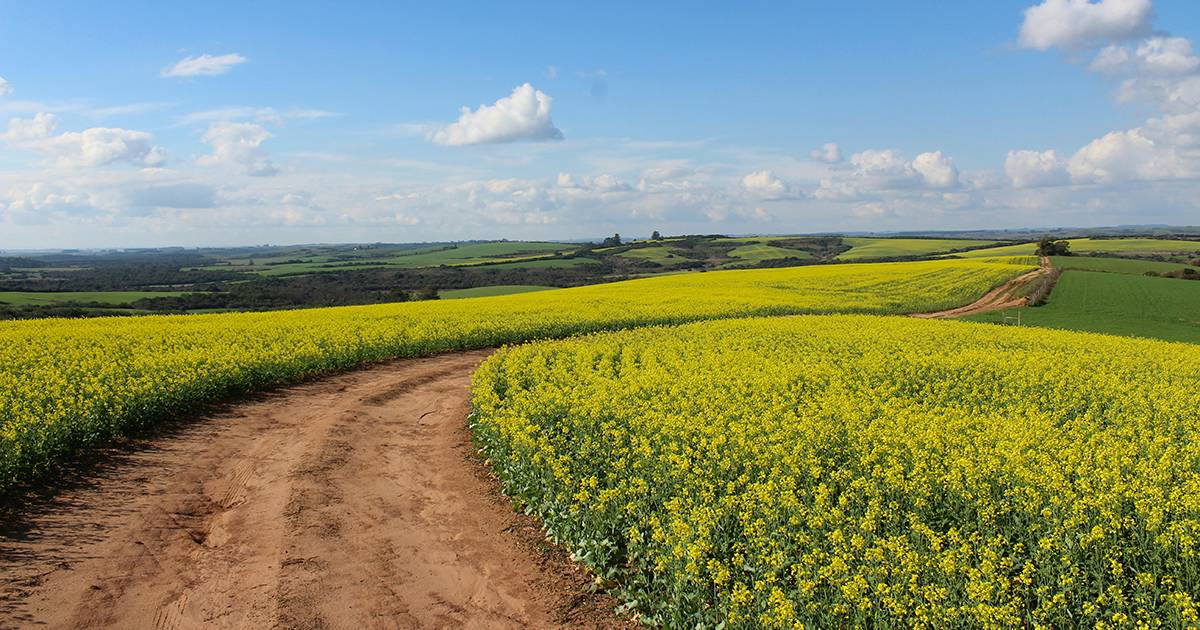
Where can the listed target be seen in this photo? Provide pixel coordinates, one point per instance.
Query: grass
(657, 253)
(34, 298)
(1092, 246)
(1118, 304)
(1114, 265)
(862, 248)
(756, 252)
(499, 289)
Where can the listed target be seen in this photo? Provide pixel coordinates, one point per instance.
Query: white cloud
(523, 115)
(1128, 155)
(240, 145)
(764, 184)
(828, 153)
(203, 65)
(97, 146)
(1159, 55)
(937, 170)
(1073, 24)
(5, 87)
(1029, 169)
(259, 114)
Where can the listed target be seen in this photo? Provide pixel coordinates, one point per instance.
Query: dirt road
(349, 502)
(1011, 294)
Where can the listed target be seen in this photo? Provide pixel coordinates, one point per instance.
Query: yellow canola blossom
(850, 471)
(67, 384)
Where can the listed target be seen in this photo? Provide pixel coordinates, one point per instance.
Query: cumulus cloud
(1128, 155)
(1159, 55)
(764, 184)
(523, 115)
(1074, 24)
(828, 153)
(887, 168)
(936, 170)
(5, 87)
(203, 65)
(238, 145)
(1029, 169)
(97, 146)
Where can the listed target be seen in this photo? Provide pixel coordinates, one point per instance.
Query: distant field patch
(756, 252)
(862, 248)
(656, 253)
(1088, 246)
(500, 289)
(1118, 304)
(33, 298)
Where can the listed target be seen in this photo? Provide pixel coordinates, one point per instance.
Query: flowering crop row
(850, 471)
(67, 384)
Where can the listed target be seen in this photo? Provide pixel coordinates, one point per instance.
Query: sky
(163, 124)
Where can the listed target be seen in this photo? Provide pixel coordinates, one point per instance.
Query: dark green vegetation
(1117, 303)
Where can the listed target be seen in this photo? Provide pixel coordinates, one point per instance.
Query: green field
(755, 252)
(499, 289)
(1118, 304)
(656, 253)
(862, 248)
(30, 298)
(1114, 265)
(1091, 246)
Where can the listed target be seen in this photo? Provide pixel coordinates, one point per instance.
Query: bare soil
(356, 501)
(1011, 294)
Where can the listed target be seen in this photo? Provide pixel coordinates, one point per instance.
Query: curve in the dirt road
(350, 502)
(1011, 294)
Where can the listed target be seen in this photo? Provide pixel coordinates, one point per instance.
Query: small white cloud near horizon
(5, 87)
(97, 146)
(239, 145)
(828, 153)
(203, 65)
(1074, 24)
(523, 115)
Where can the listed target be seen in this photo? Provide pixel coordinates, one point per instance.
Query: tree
(612, 241)
(656, 236)
(1050, 247)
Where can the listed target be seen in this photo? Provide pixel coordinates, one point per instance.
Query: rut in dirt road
(1011, 294)
(349, 502)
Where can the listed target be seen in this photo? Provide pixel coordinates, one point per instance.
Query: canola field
(69, 384)
(851, 471)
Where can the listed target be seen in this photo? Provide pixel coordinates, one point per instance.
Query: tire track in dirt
(354, 501)
(1011, 294)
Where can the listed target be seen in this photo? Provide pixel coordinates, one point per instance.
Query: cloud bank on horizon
(289, 172)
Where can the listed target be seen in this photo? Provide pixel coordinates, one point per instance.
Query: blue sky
(293, 122)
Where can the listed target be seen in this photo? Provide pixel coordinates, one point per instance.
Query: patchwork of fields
(753, 448)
